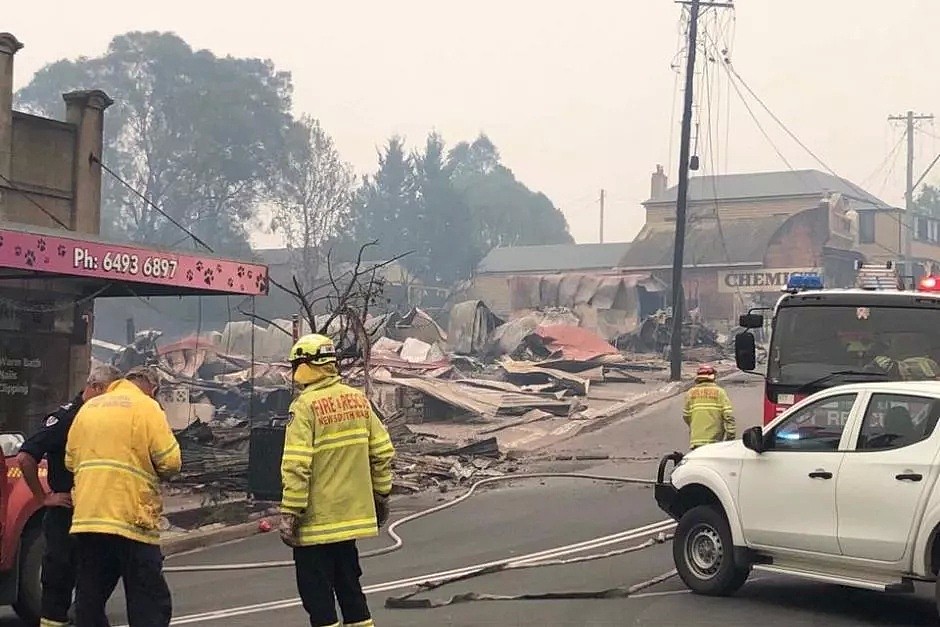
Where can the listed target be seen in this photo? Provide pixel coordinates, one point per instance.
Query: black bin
(265, 447)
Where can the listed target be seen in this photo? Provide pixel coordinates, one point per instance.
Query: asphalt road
(529, 516)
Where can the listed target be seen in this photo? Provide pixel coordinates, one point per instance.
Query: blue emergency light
(804, 281)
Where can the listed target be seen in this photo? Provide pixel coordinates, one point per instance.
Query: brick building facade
(747, 232)
(48, 180)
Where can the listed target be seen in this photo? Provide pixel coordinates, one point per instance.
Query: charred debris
(447, 395)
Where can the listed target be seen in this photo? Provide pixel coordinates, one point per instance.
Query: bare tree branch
(254, 316)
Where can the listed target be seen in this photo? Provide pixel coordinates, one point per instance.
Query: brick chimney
(9, 46)
(85, 110)
(658, 183)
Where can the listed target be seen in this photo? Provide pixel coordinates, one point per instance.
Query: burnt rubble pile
(215, 456)
(654, 336)
(451, 396)
(424, 462)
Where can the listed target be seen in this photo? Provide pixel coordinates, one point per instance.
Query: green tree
(197, 134)
(443, 223)
(449, 211)
(505, 212)
(386, 206)
(927, 201)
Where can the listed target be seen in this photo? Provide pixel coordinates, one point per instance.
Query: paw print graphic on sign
(241, 272)
(30, 258)
(231, 282)
(62, 250)
(1, 241)
(208, 276)
(41, 245)
(199, 266)
(189, 275)
(18, 251)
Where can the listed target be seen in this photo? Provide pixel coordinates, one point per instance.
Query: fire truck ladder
(878, 277)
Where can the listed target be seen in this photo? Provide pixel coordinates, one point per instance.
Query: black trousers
(327, 574)
(103, 559)
(58, 564)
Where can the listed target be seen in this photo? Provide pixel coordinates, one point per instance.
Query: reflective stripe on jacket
(336, 454)
(919, 369)
(709, 414)
(119, 447)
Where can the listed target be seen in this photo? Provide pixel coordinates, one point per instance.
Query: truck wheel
(28, 605)
(936, 594)
(703, 552)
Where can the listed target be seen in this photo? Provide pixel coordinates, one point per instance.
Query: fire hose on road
(398, 543)
(408, 602)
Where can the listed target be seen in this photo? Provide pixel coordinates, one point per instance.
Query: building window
(921, 232)
(866, 227)
(926, 230)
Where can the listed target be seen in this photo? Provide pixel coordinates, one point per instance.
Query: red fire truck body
(820, 337)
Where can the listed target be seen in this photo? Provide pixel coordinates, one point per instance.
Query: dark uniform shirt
(49, 442)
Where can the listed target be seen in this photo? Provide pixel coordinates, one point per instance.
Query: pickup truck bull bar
(667, 497)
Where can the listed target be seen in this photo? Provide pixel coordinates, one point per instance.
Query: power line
(714, 173)
(760, 127)
(732, 74)
(891, 156)
(776, 119)
(890, 171)
(151, 204)
(927, 133)
(26, 195)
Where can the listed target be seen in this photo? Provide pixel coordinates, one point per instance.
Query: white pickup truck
(842, 488)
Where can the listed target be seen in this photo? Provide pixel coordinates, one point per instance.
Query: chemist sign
(757, 280)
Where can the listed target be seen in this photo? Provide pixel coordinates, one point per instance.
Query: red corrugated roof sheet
(574, 343)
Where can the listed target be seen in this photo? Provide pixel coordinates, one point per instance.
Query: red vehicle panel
(16, 509)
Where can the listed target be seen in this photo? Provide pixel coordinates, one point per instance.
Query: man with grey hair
(59, 558)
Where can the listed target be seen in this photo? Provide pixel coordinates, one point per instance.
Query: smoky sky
(577, 96)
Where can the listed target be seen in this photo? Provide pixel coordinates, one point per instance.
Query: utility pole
(602, 217)
(905, 229)
(682, 196)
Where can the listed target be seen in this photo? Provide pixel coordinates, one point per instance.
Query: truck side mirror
(751, 321)
(745, 351)
(753, 439)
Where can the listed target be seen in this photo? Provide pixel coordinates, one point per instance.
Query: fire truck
(49, 280)
(879, 330)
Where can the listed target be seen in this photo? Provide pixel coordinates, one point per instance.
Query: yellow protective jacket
(119, 447)
(709, 415)
(912, 368)
(337, 453)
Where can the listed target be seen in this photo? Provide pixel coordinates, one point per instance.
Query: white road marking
(579, 547)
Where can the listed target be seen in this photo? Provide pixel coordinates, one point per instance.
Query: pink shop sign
(82, 258)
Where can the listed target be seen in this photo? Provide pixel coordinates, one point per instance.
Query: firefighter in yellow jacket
(119, 447)
(336, 476)
(708, 411)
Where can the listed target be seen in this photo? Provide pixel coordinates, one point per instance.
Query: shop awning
(108, 269)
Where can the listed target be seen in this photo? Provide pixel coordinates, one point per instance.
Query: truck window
(897, 420)
(811, 341)
(817, 427)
